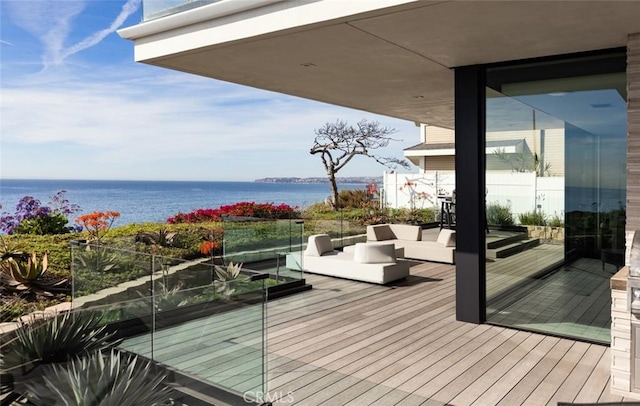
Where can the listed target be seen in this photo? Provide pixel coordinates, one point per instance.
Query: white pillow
(318, 244)
(407, 232)
(374, 253)
(447, 237)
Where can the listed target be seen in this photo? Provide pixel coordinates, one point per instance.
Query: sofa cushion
(447, 237)
(318, 245)
(407, 232)
(374, 253)
(380, 232)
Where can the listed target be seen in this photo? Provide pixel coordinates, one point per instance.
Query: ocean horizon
(140, 201)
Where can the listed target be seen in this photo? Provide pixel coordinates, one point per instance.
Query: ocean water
(155, 201)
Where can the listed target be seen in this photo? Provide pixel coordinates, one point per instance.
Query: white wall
(522, 191)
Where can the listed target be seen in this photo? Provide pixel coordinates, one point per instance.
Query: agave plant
(162, 237)
(6, 253)
(30, 276)
(112, 379)
(226, 275)
(229, 273)
(56, 339)
(165, 298)
(95, 259)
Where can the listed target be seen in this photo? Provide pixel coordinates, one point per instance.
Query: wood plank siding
(633, 140)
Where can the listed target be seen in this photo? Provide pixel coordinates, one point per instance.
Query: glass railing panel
(219, 337)
(267, 245)
(152, 9)
(203, 319)
(353, 231)
(343, 231)
(103, 275)
(293, 258)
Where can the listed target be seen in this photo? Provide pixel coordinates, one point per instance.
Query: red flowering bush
(242, 209)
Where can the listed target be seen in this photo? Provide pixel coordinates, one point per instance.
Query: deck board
(352, 343)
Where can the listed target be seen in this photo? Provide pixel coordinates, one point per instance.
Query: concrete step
(502, 242)
(512, 249)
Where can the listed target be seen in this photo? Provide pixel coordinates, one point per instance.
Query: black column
(470, 194)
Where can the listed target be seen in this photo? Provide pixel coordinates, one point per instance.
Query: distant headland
(352, 180)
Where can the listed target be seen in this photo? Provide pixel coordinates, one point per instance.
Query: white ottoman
(352, 248)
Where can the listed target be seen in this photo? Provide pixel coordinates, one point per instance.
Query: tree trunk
(334, 191)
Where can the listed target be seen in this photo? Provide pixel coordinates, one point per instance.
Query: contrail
(130, 7)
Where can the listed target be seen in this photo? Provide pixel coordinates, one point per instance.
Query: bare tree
(337, 143)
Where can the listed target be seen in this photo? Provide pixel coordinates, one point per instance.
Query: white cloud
(173, 117)
(133, 121)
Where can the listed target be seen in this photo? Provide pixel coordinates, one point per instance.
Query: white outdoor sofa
(409, 237)
(374, 263)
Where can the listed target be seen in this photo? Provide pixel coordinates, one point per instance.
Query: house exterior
(561, 77)
(524, 170)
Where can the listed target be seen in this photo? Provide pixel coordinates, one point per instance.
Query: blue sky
(74, 105)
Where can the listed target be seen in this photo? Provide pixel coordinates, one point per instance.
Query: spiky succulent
(162, 237)
(57, 339)
(229, 273)
(112, 379)
(95, 259)
(228, 278)
(30, 275)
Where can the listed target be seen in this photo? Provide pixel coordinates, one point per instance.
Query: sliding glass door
(556, 192)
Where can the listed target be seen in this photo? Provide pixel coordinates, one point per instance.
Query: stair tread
(502, 242)
(514, 248)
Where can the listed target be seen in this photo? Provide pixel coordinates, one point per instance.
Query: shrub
(242, 209)
(556, 221)
(31, 217)
(404, 215)
(49, 224)
(353, 199)
(532, 218)
(498, 214)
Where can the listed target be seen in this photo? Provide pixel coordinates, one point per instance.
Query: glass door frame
(470, 125)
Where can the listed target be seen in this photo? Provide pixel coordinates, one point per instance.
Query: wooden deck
(573, 301)
(349, 343)
(352, 343)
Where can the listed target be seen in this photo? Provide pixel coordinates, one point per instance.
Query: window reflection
(556, 192)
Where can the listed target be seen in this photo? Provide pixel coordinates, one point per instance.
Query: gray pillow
(318, 244)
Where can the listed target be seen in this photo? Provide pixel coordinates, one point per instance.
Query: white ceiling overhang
(392, 57)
